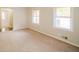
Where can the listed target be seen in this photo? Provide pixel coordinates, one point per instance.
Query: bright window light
(3, 15)
(62, 18)
(35, 16)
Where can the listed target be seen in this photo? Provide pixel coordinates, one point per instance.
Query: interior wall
(19, 18)
(46, 24)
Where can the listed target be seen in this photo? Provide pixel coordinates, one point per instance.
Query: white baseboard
(58, 38)
(19, 28)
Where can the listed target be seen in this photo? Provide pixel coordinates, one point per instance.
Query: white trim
(71, 19)
(37, 17)
(58, 38)
(19, 28)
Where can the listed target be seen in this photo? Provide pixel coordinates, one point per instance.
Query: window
(6, 19)
(35, 16)
(62, 18)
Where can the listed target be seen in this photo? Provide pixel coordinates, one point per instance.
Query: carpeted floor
(30, 41)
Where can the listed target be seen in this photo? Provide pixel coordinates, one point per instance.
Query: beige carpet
(31, 41)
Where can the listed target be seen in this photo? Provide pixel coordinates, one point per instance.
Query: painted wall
(46, 24)
(19, 18)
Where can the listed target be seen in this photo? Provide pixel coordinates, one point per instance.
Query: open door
(6, 19)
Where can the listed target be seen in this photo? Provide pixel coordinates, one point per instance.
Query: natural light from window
(62, 18)
(35, 16)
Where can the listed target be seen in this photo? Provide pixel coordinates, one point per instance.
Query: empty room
(39, 29)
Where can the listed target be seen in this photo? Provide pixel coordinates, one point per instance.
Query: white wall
(46, 24)
(19, 18)
(23, 19)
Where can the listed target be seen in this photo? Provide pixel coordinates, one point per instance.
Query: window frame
(71, 19)
(37, 16)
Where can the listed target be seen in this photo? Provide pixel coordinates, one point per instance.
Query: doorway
(6, 19)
